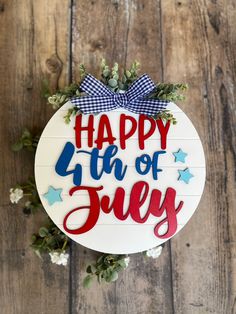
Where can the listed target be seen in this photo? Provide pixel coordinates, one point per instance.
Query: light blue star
(53, 195)
(180, 156)
(185, 175)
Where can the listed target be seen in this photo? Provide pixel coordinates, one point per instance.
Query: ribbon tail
(141, 87)
(148, 107)
(94, 104)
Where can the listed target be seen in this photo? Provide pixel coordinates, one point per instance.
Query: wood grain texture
(33, 45)
(201, 53)
(178, 41)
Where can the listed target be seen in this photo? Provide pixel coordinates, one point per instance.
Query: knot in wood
(54, 64)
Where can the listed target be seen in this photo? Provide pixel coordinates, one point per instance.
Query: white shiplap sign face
(119, 182)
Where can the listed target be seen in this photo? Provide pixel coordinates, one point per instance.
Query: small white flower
(127, 260)
(16, 195)
(59, 258)
(154, 252)
(27, 204)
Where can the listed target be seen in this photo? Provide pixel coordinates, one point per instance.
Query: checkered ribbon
(100, 98)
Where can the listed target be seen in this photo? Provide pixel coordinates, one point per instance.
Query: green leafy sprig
(71, 112)
(117, 81)
(105, 269)
(63, 95)
(166, 116)
(30, 194)
(111, 77)
(45, 89)
(82, 71)
(27, 141)
(49, 239)
(169, 92)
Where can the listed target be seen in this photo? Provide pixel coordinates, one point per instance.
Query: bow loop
(101, 99)
(93, 87)
(141, 87)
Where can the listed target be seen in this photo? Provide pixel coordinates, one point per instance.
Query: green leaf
(33, 238)
(26, 134)
(100, 277)
(124, 79)
(106, 73)
(115, 67)
(43, 232)
(127, 73)
(82, 70)
(37, 252)
(45, 90)
(121, 86)
(90, 269)
(114, 276)
(100, 259)
(112, 82)
(122, 263)
(17, 146)
(27, 142)
(116, 77)
(51, 241)
(93, 268)
(87, 281)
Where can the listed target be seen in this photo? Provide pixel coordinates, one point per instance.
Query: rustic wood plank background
(178, 41)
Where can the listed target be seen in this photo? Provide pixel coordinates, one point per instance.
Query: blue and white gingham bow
(100, 98)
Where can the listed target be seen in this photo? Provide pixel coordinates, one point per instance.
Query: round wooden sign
(118, 182)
